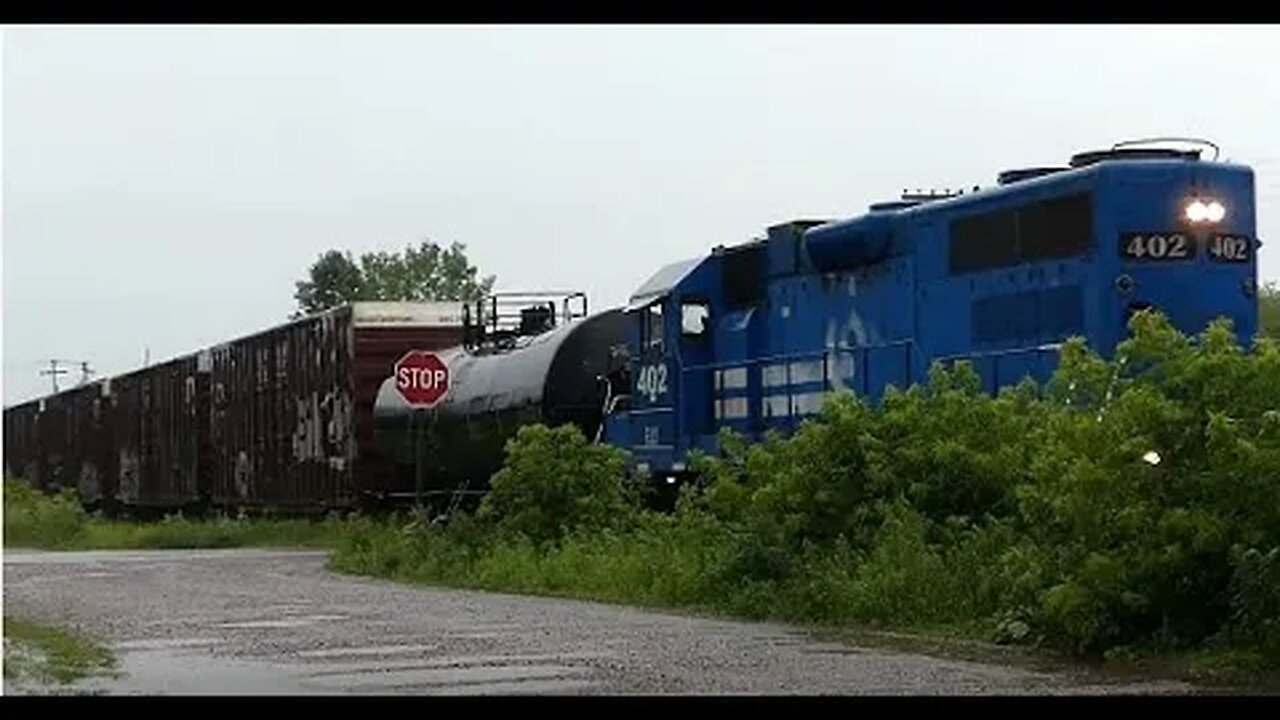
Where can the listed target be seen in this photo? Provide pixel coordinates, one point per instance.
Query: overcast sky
(165, 187)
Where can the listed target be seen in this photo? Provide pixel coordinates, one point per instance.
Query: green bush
(35, 519)
(1269, 310)
(1255, 599)
(1128, 504)
(555, 482)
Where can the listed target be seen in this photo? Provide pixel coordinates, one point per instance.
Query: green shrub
(1255, 599)
(555, 482)
(1128, 504)
(35, 519)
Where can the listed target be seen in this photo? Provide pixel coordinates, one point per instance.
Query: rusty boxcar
(278, 419)
(292, 407)
(22, 442)
(88, 459)
(157, 420)
(58, 442)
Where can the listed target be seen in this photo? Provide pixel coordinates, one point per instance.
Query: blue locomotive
(751, 337)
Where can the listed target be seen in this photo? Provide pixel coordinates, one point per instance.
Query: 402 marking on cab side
(652, 382)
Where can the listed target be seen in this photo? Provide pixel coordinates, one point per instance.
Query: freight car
(58, 441)
(292, 407)
(281, 419)
(528, 358)
(132, 441)
(753, 337)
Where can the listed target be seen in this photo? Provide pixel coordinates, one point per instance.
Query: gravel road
(262, 622)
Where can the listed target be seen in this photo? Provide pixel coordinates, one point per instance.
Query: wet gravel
(261, 622)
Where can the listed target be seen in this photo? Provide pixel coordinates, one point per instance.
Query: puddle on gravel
(526, 687)
(461, 679)
(166, 643)
(165, 672)
(289, 622)
(164, 667)
(375, 651)
(458, 663)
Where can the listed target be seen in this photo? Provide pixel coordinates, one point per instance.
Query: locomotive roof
(662, 282)
(1011, 184)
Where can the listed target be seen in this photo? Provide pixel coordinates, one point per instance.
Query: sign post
(422, 379)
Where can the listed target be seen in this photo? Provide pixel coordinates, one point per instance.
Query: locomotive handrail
(1008, 351)
(812, 354)
(823, 355)
(1144, 141)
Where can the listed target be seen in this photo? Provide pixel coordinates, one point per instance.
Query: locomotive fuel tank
(555, 377)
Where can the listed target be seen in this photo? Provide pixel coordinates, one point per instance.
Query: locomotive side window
(743, 276)
(652, 326)
(1055, 228)
(694, 318)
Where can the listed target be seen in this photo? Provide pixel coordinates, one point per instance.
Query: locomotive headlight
(1215, 211)
(1198, 211)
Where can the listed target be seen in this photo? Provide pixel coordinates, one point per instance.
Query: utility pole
(54, 371)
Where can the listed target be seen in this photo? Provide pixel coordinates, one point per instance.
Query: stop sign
(422, 378)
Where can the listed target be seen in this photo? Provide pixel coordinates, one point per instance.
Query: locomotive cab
(1179, 237)
(648, 426)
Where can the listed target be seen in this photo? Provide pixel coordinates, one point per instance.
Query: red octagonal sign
(422, 378)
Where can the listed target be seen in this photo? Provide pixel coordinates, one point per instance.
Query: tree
(1269, 310)
(425, 273)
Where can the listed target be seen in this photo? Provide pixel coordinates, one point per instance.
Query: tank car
(533, 366)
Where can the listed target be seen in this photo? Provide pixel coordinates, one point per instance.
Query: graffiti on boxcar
(339, 428)
(307, 438)
(54, 478)
(89, 486)
(130, 484)
(243, 475)
(323, 429)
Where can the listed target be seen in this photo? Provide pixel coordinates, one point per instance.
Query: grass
(34, 520)
(178, 532)
(48, 655)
